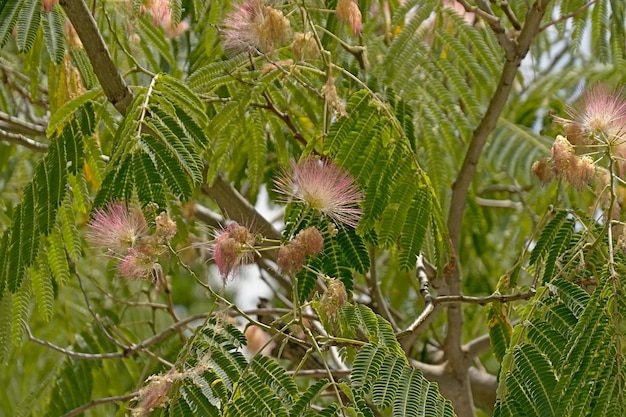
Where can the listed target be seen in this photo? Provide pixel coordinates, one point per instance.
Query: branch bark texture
(105, 69)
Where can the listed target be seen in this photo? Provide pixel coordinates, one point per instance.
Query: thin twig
(567, 16)
(511, 15)
(498, 298)
(22, 140)
(128, 351)
(99, 401)
(376, 293)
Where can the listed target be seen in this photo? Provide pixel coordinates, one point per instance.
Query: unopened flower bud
(273, 29)
(334, 297)
(311, 240)
(291, 257)
(543, 171)
(581, 171)
(304, 46)
(562, 153)
(348, 11)
(232, 248)
(165, 227)
(155, 393)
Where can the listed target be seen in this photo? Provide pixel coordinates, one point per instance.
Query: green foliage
(158, 146)
(217, 380)
(399, 103)
(567, 360)
(399, 201)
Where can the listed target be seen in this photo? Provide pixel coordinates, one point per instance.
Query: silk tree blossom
(325, 187)
(125, 235)
(254, 25)
(116, 228)
(233, 247)
(602, 113)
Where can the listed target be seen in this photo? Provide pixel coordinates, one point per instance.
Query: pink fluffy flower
(323, 186)
(233, 247)
(117, 228)
(602, 112)
(138, 263)
(253, 25)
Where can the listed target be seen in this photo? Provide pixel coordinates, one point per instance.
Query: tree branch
(105, 69)
(458, 360)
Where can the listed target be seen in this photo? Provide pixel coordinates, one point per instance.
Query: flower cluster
(125, 235)
(233, 247)
(325, 187)
(304, 46)
(334, 298)
(161, 12)
(599, 122)
(309, 242)
(253, 25)
(564, 163)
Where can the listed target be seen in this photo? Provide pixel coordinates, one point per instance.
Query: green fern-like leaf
(412, 398)
(57, 258)
(54, 34)
(354, 249)
(69, 110)
(366, 367)
(560, 244)
(28, 21)
(69, 231)
(560, 367)
(415, 228)
(147, 180)
(9, 11)
(197, 400)
(24, 242)
(261, 397)
(20, 303)
(275, 377)
(547, 236)
(386, 386)
(41, 284)
(72, 387)
(307, 397)
(154, 37)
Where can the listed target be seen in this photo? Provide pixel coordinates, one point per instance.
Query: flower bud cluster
(291, 257)
(334, 298)
(125, 235)
(564, 163)
(233, 247)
